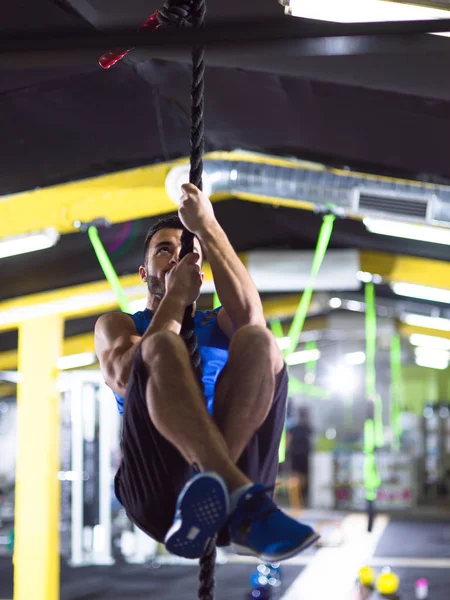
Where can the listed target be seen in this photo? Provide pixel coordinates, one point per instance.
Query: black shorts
(300, 463)
(152, 471)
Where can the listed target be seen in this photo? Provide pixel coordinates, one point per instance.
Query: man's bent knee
(254, 334)
(160, 344)
(260, 341)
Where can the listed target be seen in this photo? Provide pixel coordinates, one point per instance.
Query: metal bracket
(83, 226)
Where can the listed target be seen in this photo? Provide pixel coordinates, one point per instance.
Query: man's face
(163, 253)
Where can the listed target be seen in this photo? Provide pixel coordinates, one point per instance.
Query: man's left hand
(195, 211)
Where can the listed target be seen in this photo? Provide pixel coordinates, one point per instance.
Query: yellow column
(37, 508)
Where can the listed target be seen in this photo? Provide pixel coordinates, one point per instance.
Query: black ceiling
(378, 104)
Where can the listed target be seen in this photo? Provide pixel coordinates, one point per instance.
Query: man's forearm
(168, 316)
(236, 290)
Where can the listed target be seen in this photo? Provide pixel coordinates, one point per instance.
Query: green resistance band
(311, 365)
(299, 319)
(396, 389)
(302, 310)
(277, 329)
(216, 301)
(108, 269)
(371, 476)
(371, 345)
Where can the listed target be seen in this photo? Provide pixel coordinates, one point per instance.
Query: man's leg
(245, 391)
(177, 408)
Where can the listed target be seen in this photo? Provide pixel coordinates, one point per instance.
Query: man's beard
(155, 286)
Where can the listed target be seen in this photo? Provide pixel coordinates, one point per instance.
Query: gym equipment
(90, 434)
(421, 588)
(366, 576)
(387, 582)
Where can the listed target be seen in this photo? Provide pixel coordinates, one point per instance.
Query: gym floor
(411, 547)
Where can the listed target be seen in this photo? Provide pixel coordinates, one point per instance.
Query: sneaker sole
(203, 508)
(246, 551)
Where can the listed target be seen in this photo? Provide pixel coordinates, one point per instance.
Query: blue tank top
(212, 342)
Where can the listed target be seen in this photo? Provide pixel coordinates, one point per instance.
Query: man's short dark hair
(172, 222)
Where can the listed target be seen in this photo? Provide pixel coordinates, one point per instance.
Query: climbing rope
(176, 13)
(192, 14)
(181, 14)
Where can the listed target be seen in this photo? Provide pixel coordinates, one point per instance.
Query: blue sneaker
(202, 508)
(259, 528)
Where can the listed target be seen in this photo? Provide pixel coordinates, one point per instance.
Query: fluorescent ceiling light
(75, 361)
(342, 380)
(355, 358)
(354, 305)
(367, 277)
(429, 341)
(335, 302)
(424, 321)
(424, 292)
(283, 342)
(424, 361)
(435, 359)
(432, 353)
(422, 233)
(302, 357)
(364, 276)
(360, 11)
(22, 244)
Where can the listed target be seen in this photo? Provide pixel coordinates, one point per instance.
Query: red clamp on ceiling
(110, 58)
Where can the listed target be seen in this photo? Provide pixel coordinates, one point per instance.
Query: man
(193, 468)
(298, 450)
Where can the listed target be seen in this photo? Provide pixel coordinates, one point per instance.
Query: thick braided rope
(191, 13)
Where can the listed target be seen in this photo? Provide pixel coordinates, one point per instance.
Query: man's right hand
(184, 279)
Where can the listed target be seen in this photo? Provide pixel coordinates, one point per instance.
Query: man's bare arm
(237, 292)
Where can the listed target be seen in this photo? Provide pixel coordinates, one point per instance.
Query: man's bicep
(114, 333)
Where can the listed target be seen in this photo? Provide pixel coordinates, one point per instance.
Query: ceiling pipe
(347, 194)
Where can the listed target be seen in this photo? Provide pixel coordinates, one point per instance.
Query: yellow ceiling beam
(97, 297)
(76, 344)
(73, 302)
(129, 195)
(117, 197)
(8, 360)
(407, 330)
(7, 389)
(410, 269)
(123, 196)
(281, 307)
